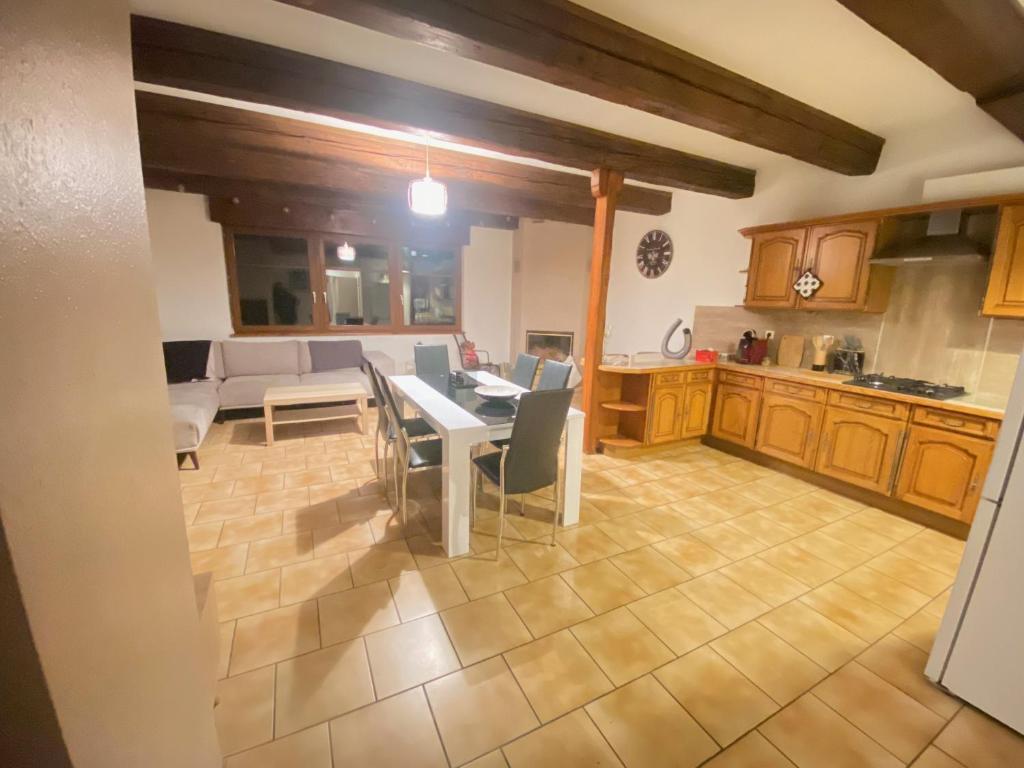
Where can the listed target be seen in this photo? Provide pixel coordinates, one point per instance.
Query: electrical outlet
(769, 335)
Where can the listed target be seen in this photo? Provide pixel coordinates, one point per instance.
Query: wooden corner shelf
(618, 441)
(624, 406)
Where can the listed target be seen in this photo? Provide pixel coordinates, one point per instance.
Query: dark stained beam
(565, 44)
(185, 136)
(977, 45)
(185, 57)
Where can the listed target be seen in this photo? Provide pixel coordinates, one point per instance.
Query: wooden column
(605, 185)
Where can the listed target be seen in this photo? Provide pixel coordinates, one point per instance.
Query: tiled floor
(705, 611)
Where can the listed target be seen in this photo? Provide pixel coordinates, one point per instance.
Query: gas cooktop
(917, 387)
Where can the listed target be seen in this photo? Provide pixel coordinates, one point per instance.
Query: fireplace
(549, 345)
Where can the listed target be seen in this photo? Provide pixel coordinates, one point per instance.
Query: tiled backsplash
(931, 329)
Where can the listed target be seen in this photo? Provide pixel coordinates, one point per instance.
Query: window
(288, 282)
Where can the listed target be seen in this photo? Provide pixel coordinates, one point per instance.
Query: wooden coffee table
(310, 395)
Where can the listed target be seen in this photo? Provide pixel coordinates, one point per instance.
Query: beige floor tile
(251, 528)
(281, 501)
(356, 612)
(539, 559)
(226, 509)
(484, 628)
(420, 593)
(355, 508)
(478, 709)
(839, 553)
(307, 477)
(622, 646)
(281, 550)
(792, 518)
(911, 573)
(764, 580)
(629, 532)
(920, 630)
(818, 638)
(382, 561)
(274, 635)
(887, 592)
(724, 599)
(649, 569)
(892, 526)
(676, 621)
(190, 511)
(483, 575)
(730, 541)
(902, 664)
(573, 740)
(647, 728)
(701, 511)
(978, 741)
(811, 735)
(557, 674)
(245, 710)
(315, 578)
(236, 471)
(666, 521)
(493, 759)
(651, 494)
(928, 547)
(409, 655)
(935, 758)
(548, 605)
(771, 664)
(279, 466)
(310, 748)
(207, 493)
(752, 751)
(427, 552)
(762, 494)
(731, 502)
(396, 733)
(849, 610)
(883, 712)
(225, 637)
(800, 564)
(587, 543)
(321, 685)
(693, 556)
(827, 506)
(253, 486)
(763, 528)
(224, 562)
(723, 701)
(321, 514)
(858, 536)
(339, 539)
(339, 492)
(246, 595)
(602, 586)
(204, 536)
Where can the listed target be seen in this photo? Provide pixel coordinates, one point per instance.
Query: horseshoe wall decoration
(687, 342)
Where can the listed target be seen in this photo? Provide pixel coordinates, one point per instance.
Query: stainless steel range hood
(945, 238)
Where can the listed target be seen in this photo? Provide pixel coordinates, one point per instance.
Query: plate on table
(497, 393)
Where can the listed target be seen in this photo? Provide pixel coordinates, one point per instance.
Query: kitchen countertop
(978, 404)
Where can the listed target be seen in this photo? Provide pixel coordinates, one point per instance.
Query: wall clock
(654, 254)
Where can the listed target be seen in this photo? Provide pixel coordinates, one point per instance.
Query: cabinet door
(775, 259)
(666, 412)
(1005, 294)
(860, 448)
(789, 429)
(838, 255)
(696, 409)
(736, 410)
(943, 471)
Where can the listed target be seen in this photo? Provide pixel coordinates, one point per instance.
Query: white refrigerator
(979, 649)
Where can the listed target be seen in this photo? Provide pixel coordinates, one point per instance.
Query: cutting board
(791, 351)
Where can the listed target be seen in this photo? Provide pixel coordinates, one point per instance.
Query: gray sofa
(240, 372)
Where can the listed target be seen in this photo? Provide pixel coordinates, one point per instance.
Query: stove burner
(916, 387)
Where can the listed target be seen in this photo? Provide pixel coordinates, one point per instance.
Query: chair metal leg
(405, 489)
(376, 455)
(387, 492)
(473, 472)
(522, 504)
(554, 523)
(501, 515)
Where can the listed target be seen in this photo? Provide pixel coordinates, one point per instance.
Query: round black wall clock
(654, 254)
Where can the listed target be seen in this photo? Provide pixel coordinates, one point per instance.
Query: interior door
(775, 259)
(860, 448)
(838, 255)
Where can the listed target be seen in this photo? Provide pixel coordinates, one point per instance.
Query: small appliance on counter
(847, 358)
(706, 355)
(821, 345)
(751, 350)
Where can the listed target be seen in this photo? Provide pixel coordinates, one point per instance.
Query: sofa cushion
(258, 358)
(186, 360)
(247, 391)
(334, 355)
(193, 408)
(347, 376)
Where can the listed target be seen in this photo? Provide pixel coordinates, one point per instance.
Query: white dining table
(460, 430)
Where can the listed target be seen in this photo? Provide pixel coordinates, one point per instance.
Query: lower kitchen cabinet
(696, 409)
(860, 448)
(666, 414)
(736, 411)
(944, 471)
(789, 429)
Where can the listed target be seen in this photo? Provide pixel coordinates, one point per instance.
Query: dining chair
(389, 424)
(529, 461)
(476, 361)
(410, 455)
(524, 370)
(554, 375)
(431, 360)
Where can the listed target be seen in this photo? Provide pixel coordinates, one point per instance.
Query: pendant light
(428, 197)
(346, 252)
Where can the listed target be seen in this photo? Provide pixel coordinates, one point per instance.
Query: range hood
(947, 236)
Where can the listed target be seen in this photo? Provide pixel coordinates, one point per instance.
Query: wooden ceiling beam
(194, 59)
(976, 45)
(570, 46)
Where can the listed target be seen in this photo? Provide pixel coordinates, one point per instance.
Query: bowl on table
(497, 393)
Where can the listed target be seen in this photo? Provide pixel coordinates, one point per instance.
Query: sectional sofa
(238, 373)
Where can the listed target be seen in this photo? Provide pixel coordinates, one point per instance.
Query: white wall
(191, 282)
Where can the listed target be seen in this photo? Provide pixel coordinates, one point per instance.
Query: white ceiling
(813, 50)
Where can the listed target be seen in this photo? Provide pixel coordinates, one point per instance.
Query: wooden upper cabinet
(696, 409)
(1005, 294)
(736, 411)
(839, 256)
(775, 259)
(860, 448)
(789, 429)
(944, 471)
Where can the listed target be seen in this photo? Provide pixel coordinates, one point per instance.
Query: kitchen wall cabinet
(667, 408)
(1005, 294)
(839, 254)
(860, 448)
(736, 412)
(944, 471)
(789, 429)
(775, 259)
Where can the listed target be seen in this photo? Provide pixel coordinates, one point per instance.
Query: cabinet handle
(862, 404)
(897, 460)
(974, 485)
(954, 422)
(314, 296)
(324, 294)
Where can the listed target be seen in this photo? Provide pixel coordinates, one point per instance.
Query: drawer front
(695, 376)
(792, 389)
(876, 405)
(958, 422)
(669, 379)
(740, 379)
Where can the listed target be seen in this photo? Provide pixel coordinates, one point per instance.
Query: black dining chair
(431, 360)
(524, 371)
(529, 461)
(389, 424)
(410, 455)
(554, 375)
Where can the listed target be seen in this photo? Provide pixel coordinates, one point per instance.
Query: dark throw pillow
(186, 360)
(332, 355)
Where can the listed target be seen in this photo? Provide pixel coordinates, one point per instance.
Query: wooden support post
(605, 185)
